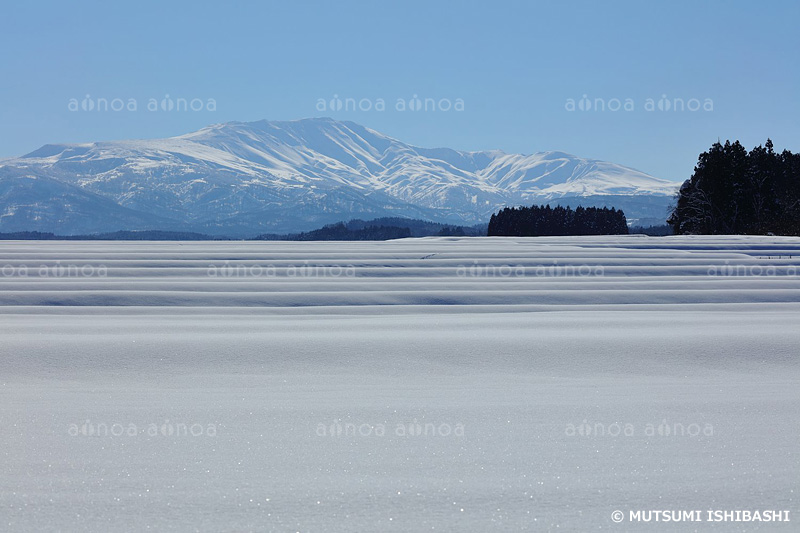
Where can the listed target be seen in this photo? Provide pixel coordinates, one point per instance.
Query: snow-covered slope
(284, 176)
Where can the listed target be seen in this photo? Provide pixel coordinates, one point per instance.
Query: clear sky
(514, 65)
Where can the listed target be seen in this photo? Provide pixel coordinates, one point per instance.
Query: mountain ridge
(277, 176)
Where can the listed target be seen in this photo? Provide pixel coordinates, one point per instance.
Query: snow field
(440, 384)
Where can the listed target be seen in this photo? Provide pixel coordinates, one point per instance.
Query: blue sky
(515, 65)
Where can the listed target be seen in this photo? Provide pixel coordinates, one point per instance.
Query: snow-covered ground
(270, 386)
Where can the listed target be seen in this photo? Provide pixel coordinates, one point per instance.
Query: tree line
(733, 191)
(340, 232)
(546, 220)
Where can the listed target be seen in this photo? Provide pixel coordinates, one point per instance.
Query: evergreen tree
(735, 192)
(546, 220)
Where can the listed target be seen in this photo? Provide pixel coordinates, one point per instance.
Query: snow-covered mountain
(246, 178)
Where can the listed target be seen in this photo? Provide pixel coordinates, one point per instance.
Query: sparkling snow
(437, 384)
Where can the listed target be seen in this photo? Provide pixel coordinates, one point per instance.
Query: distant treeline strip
(355, 230)
(545, 220)
(144, 235)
